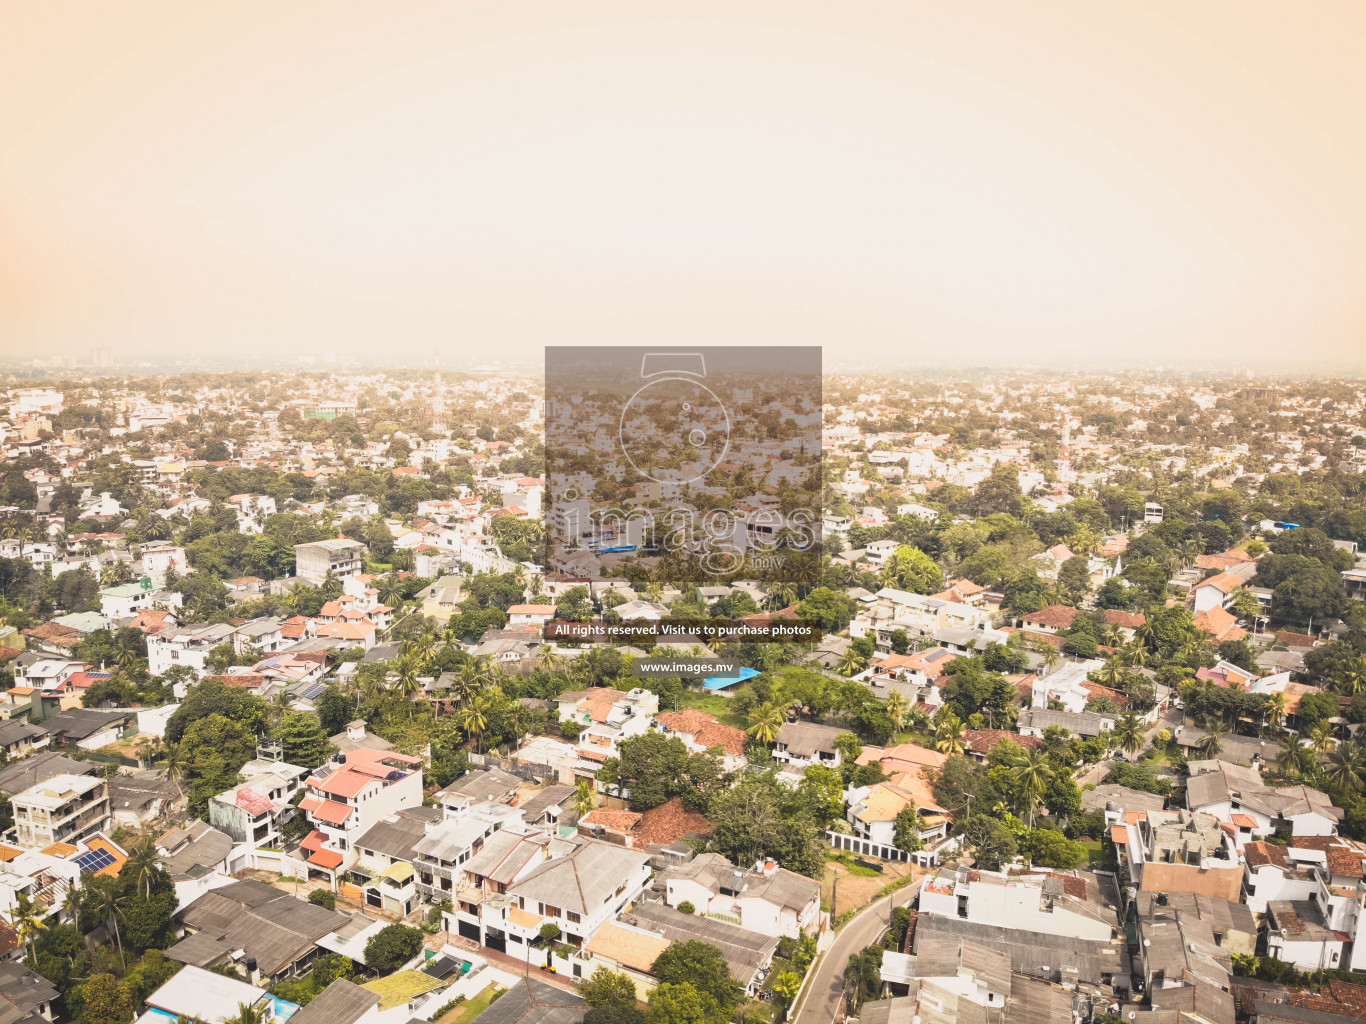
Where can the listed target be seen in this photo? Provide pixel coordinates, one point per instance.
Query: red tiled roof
(332, 812)
(984, 741)
(252, 802)
(1127, 620)
(1059, 616)
(326, 859)
(670, 822)
(727, 737)
(1345, 861)
(1225, 582)
(689, 720)
(1119, 835)
(1243, 820)
(1288, 639)
(1259, 853)
(9, 938)
(610, 817)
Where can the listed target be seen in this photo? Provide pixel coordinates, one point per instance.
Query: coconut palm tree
(1129, 732)
(1354, 679)
(1346, 768)
(126, 653)
(765, 721)
(1215, 731)
(1034, 771)
(27, 920)
(849, 663)
(1112, 672)
(1134, 654)
(548, 659)
(142, 866)
(895, 707)
(1112, 634)
(1322, 737)
(948, 732)
(111, 904)
(474, 719)
(584, 799)
(1277, 706)
(175, 765)
(406, 681)
(1298, 760)
(279, 705)
(781, 595)
(1051, 657)
(254, 1013)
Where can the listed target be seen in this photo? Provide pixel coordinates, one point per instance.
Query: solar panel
(95, 860)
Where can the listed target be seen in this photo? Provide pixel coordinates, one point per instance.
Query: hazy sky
(1006, 181)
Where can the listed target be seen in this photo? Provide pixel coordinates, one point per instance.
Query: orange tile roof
(1225, 582)
(610, 817)
(332, 812)
(348, 781)
(1243, 820)
(8, 853)
(326, 859)
(689, 720)
(60, 850)
(1119, 835)
(670, 822)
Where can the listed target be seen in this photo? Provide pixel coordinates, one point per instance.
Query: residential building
(254, 811)
(873, 810)
(765, 898)
(345, 799)
(445, 846)
(188, 645)
(516, 884)
(700, 732)
(337, 555)
(62, 809)
(1077, 904)
(193, 993)
(1178, 851)
(270, 934)
(805, 743)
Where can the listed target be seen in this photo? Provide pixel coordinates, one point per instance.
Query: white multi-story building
(346, 798)
(64, 809)
(519, 882)
(186, 645)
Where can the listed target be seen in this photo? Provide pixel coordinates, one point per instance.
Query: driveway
(822, 1000)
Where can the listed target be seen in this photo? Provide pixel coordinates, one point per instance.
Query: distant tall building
(101, 356)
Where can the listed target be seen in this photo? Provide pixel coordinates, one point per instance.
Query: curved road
(823, 995)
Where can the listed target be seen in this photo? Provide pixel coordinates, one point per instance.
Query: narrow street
(823, 997)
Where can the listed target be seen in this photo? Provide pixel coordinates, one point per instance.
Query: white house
(1046, 902)
(765, 898)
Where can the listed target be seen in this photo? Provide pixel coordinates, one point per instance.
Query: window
(573, 917)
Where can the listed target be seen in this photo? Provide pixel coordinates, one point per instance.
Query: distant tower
(438, 397)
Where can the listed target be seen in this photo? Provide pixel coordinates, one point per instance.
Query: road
(823, 999)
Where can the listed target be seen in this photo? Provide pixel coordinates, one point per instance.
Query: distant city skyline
(1062, 184)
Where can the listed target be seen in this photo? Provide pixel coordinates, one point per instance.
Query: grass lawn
(471, 1008)
(712, 704)
(1097, 858)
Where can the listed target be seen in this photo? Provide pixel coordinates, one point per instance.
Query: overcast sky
(898, 180)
